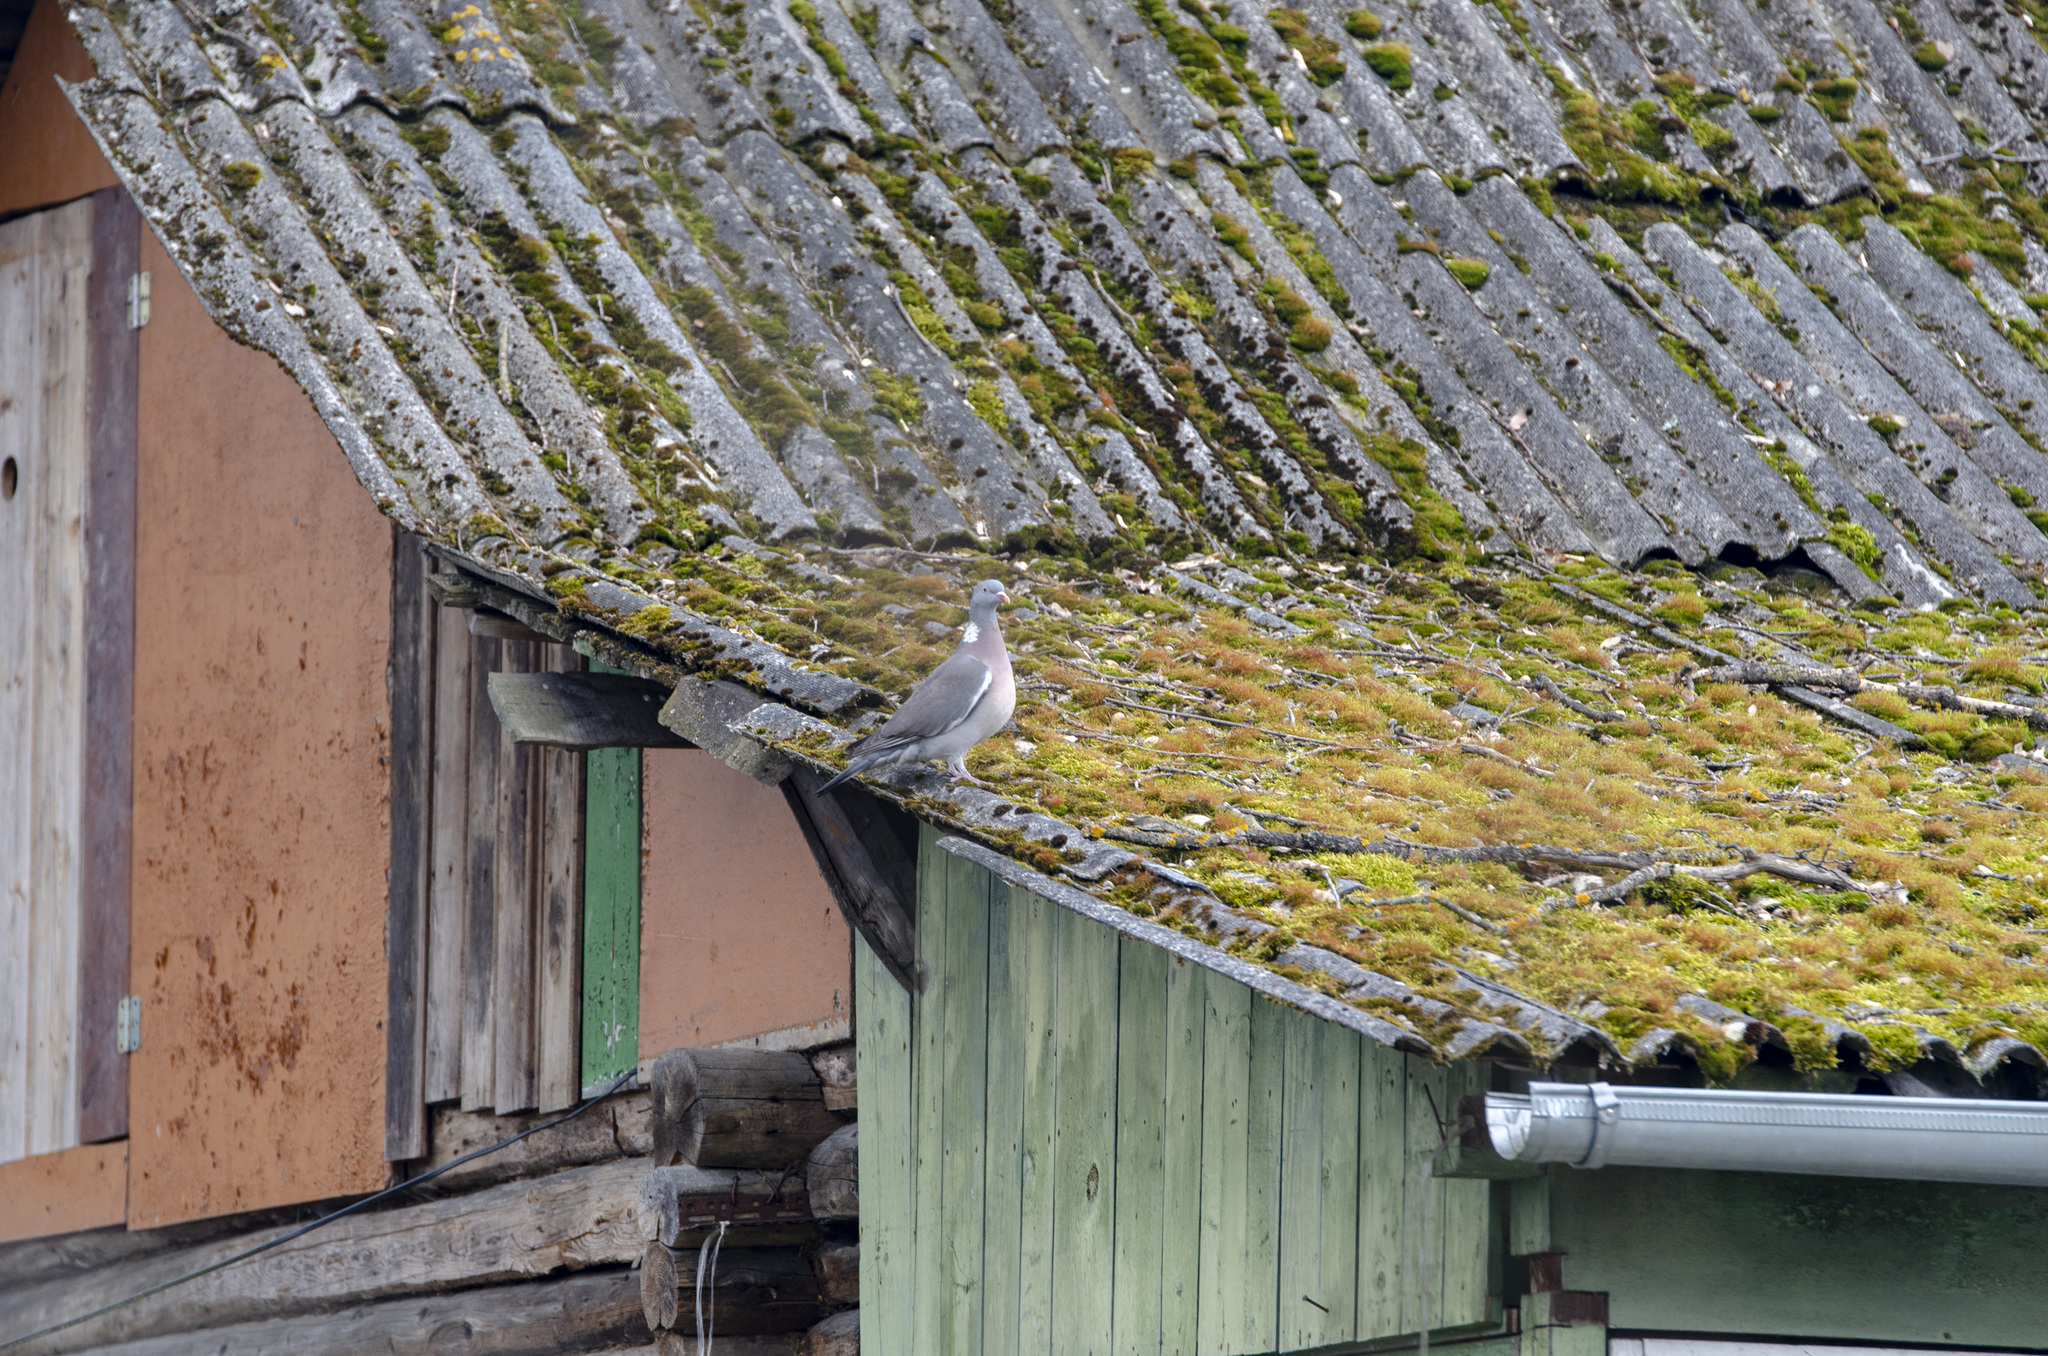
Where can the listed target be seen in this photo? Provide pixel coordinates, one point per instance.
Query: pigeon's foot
(961, 774)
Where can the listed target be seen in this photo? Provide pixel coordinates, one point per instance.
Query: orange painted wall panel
(262, 834)
(60, 1193)
(739, 936)
(46, 155)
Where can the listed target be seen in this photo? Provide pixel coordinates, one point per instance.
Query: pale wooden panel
(20, 441)
(558, 998)
(886, 1148)
(58, 759)
(447, 891)
(1467, 1218)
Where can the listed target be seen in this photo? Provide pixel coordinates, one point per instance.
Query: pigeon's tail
(853, 769)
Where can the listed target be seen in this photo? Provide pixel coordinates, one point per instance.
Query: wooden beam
(536, 1318)
(107, 813)
(756, 1291)
(580, 1218)
(618, 1128)
(483, 621)
(737, 1108)
(582, 710)
(411, 684)
(867, 894)
(680, 1204)
(703, 710)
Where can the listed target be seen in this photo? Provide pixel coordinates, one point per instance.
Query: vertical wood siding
(1075, 1143)
(502, 876)
(45, 263)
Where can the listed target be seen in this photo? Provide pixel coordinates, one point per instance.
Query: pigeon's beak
(1006, 595)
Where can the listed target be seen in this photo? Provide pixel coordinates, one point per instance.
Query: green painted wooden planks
(886, 1146)
(1102, 1147)
(611, 914)
(1141, 1177)
(1084, 1166)
(1034, 970)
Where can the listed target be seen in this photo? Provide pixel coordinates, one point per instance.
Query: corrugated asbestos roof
(603, 296)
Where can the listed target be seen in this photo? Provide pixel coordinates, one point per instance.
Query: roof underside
(602, 295)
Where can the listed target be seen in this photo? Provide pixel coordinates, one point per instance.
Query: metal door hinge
(138, 300)
(128, 1025)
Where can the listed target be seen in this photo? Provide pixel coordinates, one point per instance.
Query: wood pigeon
(964, 701)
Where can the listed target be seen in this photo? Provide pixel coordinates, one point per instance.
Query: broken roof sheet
(747, 334)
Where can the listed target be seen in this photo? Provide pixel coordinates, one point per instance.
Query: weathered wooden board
(963, 1077)
(514, 1047)
(45, 266)
(448, 890)
(928, 1097)
(479, 907)
(580, 1218)
(867, 890)
(1141, 1036)
(886, 1150)
(558, 1014)
(1181, 1298)
(21, 465)
(411, 685)
(534, 1318)
(1084, 1165)
(1002, 1131)
(582, 710)
(558, 913)
(107, 807)
(1226, 1091)
(1035, 978)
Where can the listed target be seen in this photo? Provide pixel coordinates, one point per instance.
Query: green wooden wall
(1075, 1142)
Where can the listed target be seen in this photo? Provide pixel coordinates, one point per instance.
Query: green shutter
(611, 914)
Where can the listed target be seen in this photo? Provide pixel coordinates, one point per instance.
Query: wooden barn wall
(1073, 1142)
(740, 937)
(261, 829)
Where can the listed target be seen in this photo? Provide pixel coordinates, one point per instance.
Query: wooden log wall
(1074, 1142)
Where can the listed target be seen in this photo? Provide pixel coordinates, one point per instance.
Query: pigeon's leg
(956, 768)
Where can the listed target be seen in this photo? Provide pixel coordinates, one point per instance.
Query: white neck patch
(969, 634)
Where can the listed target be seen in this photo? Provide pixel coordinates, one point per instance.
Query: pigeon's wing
(940, 703)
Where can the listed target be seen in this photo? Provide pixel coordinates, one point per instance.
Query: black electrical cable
(321, 1222)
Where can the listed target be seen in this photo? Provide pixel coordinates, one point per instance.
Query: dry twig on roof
(1849, 680)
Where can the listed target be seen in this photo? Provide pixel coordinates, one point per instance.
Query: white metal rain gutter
(1591, 1125)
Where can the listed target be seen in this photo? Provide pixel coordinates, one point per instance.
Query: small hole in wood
(10, 478)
